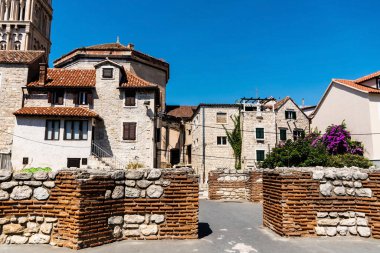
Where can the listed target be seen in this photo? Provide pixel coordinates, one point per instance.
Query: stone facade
(307, 202)
(79, 209)
(235, 185)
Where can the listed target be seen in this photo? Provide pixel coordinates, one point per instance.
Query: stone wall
(235, 185)
(322, 201)
(80, 209)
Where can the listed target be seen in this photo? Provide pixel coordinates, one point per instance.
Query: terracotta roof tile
(68, 78)
(108, 46)
(133, 81)
(367, 77)
(281, 102)
(56, 112)
(181, 111)
(20, 57)
(355, 85)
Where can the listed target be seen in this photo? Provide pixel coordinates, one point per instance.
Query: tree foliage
(235, 140)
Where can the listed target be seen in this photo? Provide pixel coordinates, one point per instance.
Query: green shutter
(260, 155)
(283, 134)
(259, 133)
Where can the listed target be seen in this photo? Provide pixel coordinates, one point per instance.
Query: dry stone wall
(235, 185)
(322, 201)
(80, 209)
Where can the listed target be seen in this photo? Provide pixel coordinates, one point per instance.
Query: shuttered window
(108, 73)
(260, 155)
(129, 131)
(260, 133)
(56, 97)
(130, 98)
(290, 115)
(83, 98)
(283, 134)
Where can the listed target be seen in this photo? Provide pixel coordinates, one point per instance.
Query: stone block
(22, 220)
(337, 183)
(358, 184)
(331, 231)
(46, 228)
(4, 221)
(154, 191)
(134, 174)
(144, 183)
(340, 191)
(132, 192)
(32, 227)
(352, 230)
(49, 184)
(149, 229)
(118, 192)
(157, 218)
(130, 183)
(5, 175)
(18, 239)
(342, 230)
(22, 176)
(39, 239)
(328, 222)
(350, 191)
(364, 231)
(348, 222)
(348, 184)
(115, 220)
(344, 175)
(134, 219)
(326, 189)
(21, 192)
(320, 231)
(330, 175)
(33, 183)
(131, 233)
(8, 185)
(51, 219)
(333, 214)
(360, 175)
(362, 222)
(322, 214)
(41, 193)
(118, 175)
(40, 175)
(10, 229)
(364, 192)
(4, 195)
(154, 174)
(117, 232)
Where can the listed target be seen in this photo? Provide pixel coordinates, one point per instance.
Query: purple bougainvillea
(337, 140)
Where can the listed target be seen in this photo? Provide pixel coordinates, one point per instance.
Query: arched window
(17, 45)
(3, 45)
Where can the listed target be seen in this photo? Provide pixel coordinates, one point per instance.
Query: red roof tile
(109, 46)
(281, 102)
(133, 81)
(56, 111)
(367, 77)
(355, 85)
(68, 78)
(181, 111)
(20, 57)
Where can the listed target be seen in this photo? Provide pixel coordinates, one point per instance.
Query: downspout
(23, 97)
(203, 143)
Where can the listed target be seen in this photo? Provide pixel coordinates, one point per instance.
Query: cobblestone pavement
(225, 227)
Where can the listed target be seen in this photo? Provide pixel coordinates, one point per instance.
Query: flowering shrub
(337, 140)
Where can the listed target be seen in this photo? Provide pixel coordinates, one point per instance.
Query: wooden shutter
(75, 98)
(130, 98)
(129, 131)
(90, 98)
(50, 97)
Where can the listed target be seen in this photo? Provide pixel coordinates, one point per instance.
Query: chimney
(130, 46)
(43, 74)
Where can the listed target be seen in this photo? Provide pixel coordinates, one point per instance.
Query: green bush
(348, 160)
(296, 154)
(34, 170)
(134, 165)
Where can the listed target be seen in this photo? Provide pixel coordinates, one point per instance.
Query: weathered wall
(322, 202)
(77, 209)
(235, 185)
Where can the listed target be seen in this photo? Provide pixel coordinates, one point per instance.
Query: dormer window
(108, 73)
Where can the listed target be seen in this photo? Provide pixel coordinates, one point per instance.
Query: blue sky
(221, 50)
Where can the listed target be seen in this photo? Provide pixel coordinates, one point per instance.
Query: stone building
(175, 136)
(97, 109)
(265, 123)
(25, 25)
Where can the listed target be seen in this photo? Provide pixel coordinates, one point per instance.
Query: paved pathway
(225, 227)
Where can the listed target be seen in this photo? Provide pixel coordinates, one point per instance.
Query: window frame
(289, 113)
(297, 136)
(112, 76)
(257, 133)
(126, 97)
(128, 137)
(286, 134)
(217, 116)
(257, 155)
(55, 97)
(52, 137)
(72, 130)
(221, 141)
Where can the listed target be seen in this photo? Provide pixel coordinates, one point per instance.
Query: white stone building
(357, 103)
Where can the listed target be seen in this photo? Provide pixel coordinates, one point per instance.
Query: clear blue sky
(222, 50)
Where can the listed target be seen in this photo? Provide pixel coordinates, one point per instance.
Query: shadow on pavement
(204, 230)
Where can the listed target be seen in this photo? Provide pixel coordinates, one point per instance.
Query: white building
(357, 103)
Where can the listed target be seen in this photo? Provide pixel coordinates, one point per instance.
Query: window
(158, 134)
(250, 108)
(290, 115)
(130, 98)
(83, 98)
(76, 130)
(52, 130)
(221, 118)
(260, 155)
(73, 162)
(84, 161)
(298, 133)
(56, 97)
(221, 140)
(282, 134)
(378, 83)
(25, 160)
(108, 73)
(129, 131)
(260, 133)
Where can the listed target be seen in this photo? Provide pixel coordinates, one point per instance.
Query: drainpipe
(23, 97)
(203, 143)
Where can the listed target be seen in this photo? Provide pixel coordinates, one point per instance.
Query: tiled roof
(181, 111)
(367, 77)
(20, 57)
(355, 85)
(108, 46)
(281, 102)
(56, 112)
(133, 81)
(68, 78)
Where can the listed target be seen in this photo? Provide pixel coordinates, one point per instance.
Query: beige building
(104, 115)
(357, 103)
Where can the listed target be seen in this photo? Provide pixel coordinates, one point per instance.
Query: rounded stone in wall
(144, 183)
(5, 175)
(154, 191)
(4, 195)
(154, 174)
(132, 192)
(40, 175)
(118, 192)
(39, 239)
(21, 192)
(134, 174)
(41, 193)
(22, 176)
